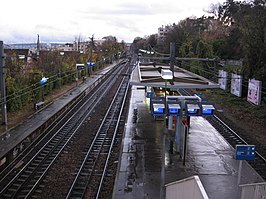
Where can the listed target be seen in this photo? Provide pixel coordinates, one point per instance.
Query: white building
(163, 31)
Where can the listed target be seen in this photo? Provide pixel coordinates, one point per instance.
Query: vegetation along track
(27, 178)
(234, 138)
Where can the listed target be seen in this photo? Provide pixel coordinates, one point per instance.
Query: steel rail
(16, 188)
(86, 169)
(113, 140)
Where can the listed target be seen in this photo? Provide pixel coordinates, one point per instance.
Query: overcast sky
(63, 20)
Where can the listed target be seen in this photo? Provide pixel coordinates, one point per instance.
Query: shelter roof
(149, 74)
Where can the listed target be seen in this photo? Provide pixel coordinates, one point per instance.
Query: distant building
(163, 31)
(99, 41)
(81, 46)
(66, 47)
(21, 58)
(77, 46)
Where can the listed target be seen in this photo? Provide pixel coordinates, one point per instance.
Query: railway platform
(11, 139)
(139, 175)
(209, 156)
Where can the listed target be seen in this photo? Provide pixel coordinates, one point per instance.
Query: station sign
(158, 109)
(79, 66)
(245, 152)
(157, 106)
(174, 109)
(192, 109)
(149, 92)
(207, 109)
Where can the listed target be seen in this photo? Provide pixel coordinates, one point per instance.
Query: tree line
(232, 30)
(22, 75)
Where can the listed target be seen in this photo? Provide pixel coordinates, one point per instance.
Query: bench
(39, 105)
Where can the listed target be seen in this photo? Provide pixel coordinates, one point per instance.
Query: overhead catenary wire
(162, 54)
(244, 83)
(24, 91)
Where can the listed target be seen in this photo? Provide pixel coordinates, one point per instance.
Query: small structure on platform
(252, 191)
(187, 188)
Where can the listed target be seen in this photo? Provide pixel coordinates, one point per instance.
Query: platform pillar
(2, 85)
(170, 122)
(178, 131)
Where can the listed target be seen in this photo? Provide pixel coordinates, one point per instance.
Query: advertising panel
(254, 91)
(236, 85)
(222, 79)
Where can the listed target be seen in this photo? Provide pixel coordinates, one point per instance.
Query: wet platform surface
(208, 155)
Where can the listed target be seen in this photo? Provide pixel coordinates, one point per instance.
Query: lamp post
(2, 83)
(61, 53)
(78, 67)
(43, 81)
(91, 50)
(83, 60)
(166, 74)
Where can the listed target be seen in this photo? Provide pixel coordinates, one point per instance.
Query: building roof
(149, 74)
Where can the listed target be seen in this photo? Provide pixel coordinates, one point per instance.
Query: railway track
(94, 169)
(233, 138)
(25, 176)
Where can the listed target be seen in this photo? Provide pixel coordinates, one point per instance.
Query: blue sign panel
(245, 152)
(174, 109)
(90, 64)
(149, 94)
(158, 110)
(207, 109)
(207, 112)
(192, 109)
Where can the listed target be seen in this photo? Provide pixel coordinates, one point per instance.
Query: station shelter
(166, 103)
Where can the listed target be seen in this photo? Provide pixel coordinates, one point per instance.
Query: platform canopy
(149, 75)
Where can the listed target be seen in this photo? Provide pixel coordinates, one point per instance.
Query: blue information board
(245, 152)
(158, 110)
(149, 94)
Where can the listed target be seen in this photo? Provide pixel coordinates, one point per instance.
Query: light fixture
(166, 74)
(43, 80)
